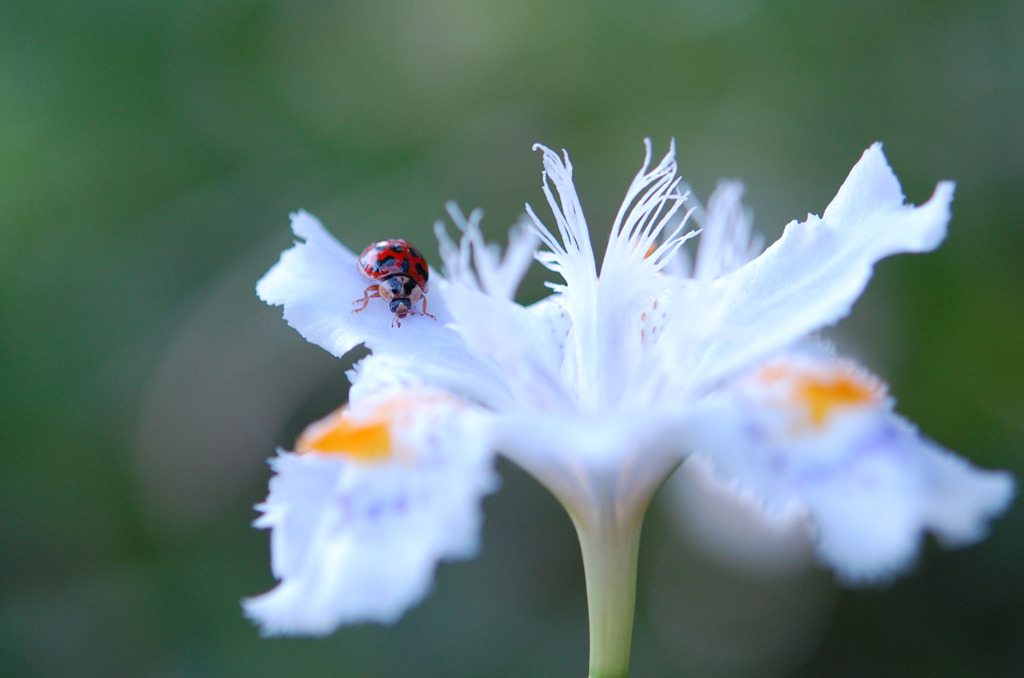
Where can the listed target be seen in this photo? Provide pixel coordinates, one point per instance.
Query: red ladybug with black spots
(400, 275)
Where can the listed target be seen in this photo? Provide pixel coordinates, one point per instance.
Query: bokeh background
(150, 152)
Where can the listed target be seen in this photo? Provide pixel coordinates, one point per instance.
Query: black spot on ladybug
(421, 271)
(396, 248)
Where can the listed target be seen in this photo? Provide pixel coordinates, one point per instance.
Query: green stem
(610, 541)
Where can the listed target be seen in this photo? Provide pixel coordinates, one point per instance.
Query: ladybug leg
(424, 311)
(366, 298)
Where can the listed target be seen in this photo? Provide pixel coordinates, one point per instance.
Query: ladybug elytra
(400, 275)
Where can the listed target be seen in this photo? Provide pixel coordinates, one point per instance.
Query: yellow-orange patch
(366, 439)
(820, 394)
(824, 394)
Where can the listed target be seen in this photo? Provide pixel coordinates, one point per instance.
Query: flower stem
(610, 541)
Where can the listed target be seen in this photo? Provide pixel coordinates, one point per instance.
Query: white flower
(602, 389)
(818, 433)
(378, 492)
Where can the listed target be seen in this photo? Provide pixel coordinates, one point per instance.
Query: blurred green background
(150, 153)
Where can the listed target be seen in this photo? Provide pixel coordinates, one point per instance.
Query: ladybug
(399, 273)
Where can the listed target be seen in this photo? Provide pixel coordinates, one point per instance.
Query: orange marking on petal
(367, 434)
(651, 250)
(820, 393)
(773, 373)
(825, 394)
(366, 439)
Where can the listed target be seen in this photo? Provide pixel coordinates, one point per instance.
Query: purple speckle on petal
(777, 463)
(374, 510)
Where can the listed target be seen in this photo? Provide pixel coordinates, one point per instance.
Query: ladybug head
(401, 307)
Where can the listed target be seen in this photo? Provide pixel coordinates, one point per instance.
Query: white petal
(733, 526)
(572, 257)
(604, 346)
(820, 434)
(812, 275)
(356, 540)
(317, 282)
(585, 460)
(571, 254)
(526, 345)
(475, 264)
(727, 240)
(646, 235)
(472, 379)
(647, 232)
